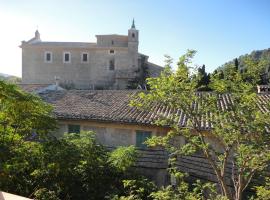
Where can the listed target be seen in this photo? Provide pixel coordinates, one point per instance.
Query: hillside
(10, 78)
(259, 55)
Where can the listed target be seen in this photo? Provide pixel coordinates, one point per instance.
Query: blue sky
(219, 30)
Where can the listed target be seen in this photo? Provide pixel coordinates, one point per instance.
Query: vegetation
(261, 57)
(203, 79)
(239, 135)
(35, 164)
(139, 82)
(10, 79)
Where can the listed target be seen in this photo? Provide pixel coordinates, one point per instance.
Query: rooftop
(113, 106)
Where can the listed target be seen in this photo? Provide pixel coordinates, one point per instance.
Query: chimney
(263, 89)
(57, 78)
(37, 35)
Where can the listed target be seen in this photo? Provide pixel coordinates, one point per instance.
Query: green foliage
(141, 76)
(36, 165)
(139, 189)
(261, 57)
(123, 158)
(263, 192)
(238, 136)
(203, 79)
(10, 79)
(22, 114)
(44, 194)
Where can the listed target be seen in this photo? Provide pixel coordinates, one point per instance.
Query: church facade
(110, 63)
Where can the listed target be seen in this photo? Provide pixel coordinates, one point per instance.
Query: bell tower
(133, 43)
(133, 38)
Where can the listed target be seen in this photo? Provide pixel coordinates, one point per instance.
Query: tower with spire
(133, 43)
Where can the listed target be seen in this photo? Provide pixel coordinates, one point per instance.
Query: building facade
(110, 63)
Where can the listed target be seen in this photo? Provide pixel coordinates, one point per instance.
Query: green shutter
(74, 128)
(141, 137)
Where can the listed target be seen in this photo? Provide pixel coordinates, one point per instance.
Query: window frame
(72, 127)
(139, 143)
(83, 53)
(45, 57)
(111, 51)
(112, 67)
(64, 57)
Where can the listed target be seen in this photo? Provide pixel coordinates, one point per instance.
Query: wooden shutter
(141, 137)
(74, 128)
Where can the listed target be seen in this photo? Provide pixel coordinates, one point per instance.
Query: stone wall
(111, 134)
(152, 163)
(93, 74)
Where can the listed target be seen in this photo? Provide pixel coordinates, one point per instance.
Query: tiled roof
(113, 106)
(32, 87)
(65, 44)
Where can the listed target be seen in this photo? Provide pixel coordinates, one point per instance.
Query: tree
(24, 118)
(238, 129)
(141, 76)
(203, 79)
(35, 164)
(236, 64)
(22, 115)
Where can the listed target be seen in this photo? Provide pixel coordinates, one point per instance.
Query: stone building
(110, 63)
(109, 114)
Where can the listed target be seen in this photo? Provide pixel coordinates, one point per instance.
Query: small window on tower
(84, 57)
(133, 35)
(111, 67)
(48, 57)
(66, 57)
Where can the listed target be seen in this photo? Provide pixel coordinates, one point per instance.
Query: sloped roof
(32, 87)
(65, 44)
(113, 106)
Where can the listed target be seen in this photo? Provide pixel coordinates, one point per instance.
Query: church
(110, 63)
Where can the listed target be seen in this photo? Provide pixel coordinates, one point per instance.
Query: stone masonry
(107, 64)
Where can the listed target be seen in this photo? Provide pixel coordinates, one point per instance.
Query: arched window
(133, 35)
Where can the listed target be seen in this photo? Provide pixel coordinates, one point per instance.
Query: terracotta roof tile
(113, 106)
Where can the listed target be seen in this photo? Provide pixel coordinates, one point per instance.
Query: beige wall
(111, 134)
(83, 75)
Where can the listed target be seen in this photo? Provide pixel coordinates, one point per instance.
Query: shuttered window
(72, 128)
(141, 137)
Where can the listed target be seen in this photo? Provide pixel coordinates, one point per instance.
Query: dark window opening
(133, 35)
(67, 58)
(112, 42)
(48, 57)
(72, 128)
(141, 137)
(111, 64)
(111, 51)
(85, 57)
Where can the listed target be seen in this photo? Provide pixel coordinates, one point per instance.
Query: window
(111, 64)
(84, 57)
(133, 35)
(48, 57)
(111, 51)
(141, 137)
(72, 128)
(112, 42)
(66, 57)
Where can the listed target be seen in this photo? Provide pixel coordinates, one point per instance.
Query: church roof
(65, 44)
